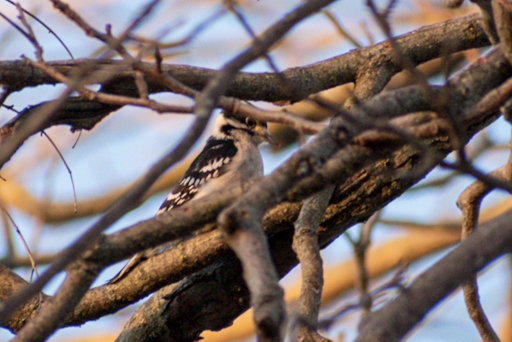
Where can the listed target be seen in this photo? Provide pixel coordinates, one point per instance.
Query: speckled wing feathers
(211, 163)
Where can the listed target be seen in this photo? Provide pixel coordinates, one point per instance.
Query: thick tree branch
(55, 311)
(10, 284)
(376, 60)
(466, 33)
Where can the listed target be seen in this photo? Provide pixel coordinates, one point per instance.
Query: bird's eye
(250, 122)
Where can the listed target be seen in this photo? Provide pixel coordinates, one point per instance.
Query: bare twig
(396, 282)
(360, 251)
(13, 261)
(114, 43)
(469, 202)
(67, 168)
(341, 30)
(305, 165)
(402, 60)
(343, 68)
(13, 24)
(47, 27)
(30, 34)
(492, 100)
(36, 123)
(142, 86)
(111, 99)
(9, 242)
(298, 123)
(483, 144)
(234, 8)
(189, 38)
(441, 100)
(4, 95)
(465, 167)
(348, 63)
(27, 249)
(52, 314)
(78, 138)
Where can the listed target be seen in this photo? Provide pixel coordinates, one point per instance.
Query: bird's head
(228, 124)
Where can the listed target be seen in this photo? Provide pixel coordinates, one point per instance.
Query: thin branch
(5, 94)
(482, 145)
(9, 241)
(469, 202)
(341, 30)
(27, 249)
(440, 101)
(13, 24)
(111, 99)
(348, 63)
(232, 6)
(30, 34)
(396, 282)
(142, 86)
(492, 100)
(77, 139)
(343, 68)
(38, 120)
(188, 39)
(360, 250)
(77, 282)
(305, 245)
(465, 167)
(47, 27)
(375, 185)
(67, 168)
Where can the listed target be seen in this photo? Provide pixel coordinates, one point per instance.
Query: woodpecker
(231, 155)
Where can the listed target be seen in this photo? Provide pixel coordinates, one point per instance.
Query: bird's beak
(262, 131)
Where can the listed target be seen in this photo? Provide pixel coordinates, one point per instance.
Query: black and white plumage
(231, 155)
(211, 163)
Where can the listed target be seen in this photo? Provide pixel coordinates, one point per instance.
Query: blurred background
(418, 228)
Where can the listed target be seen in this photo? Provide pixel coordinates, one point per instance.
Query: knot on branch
(229, 220)
(340, 134)
(270, 317)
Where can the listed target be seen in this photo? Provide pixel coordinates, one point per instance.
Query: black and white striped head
(227, 126)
